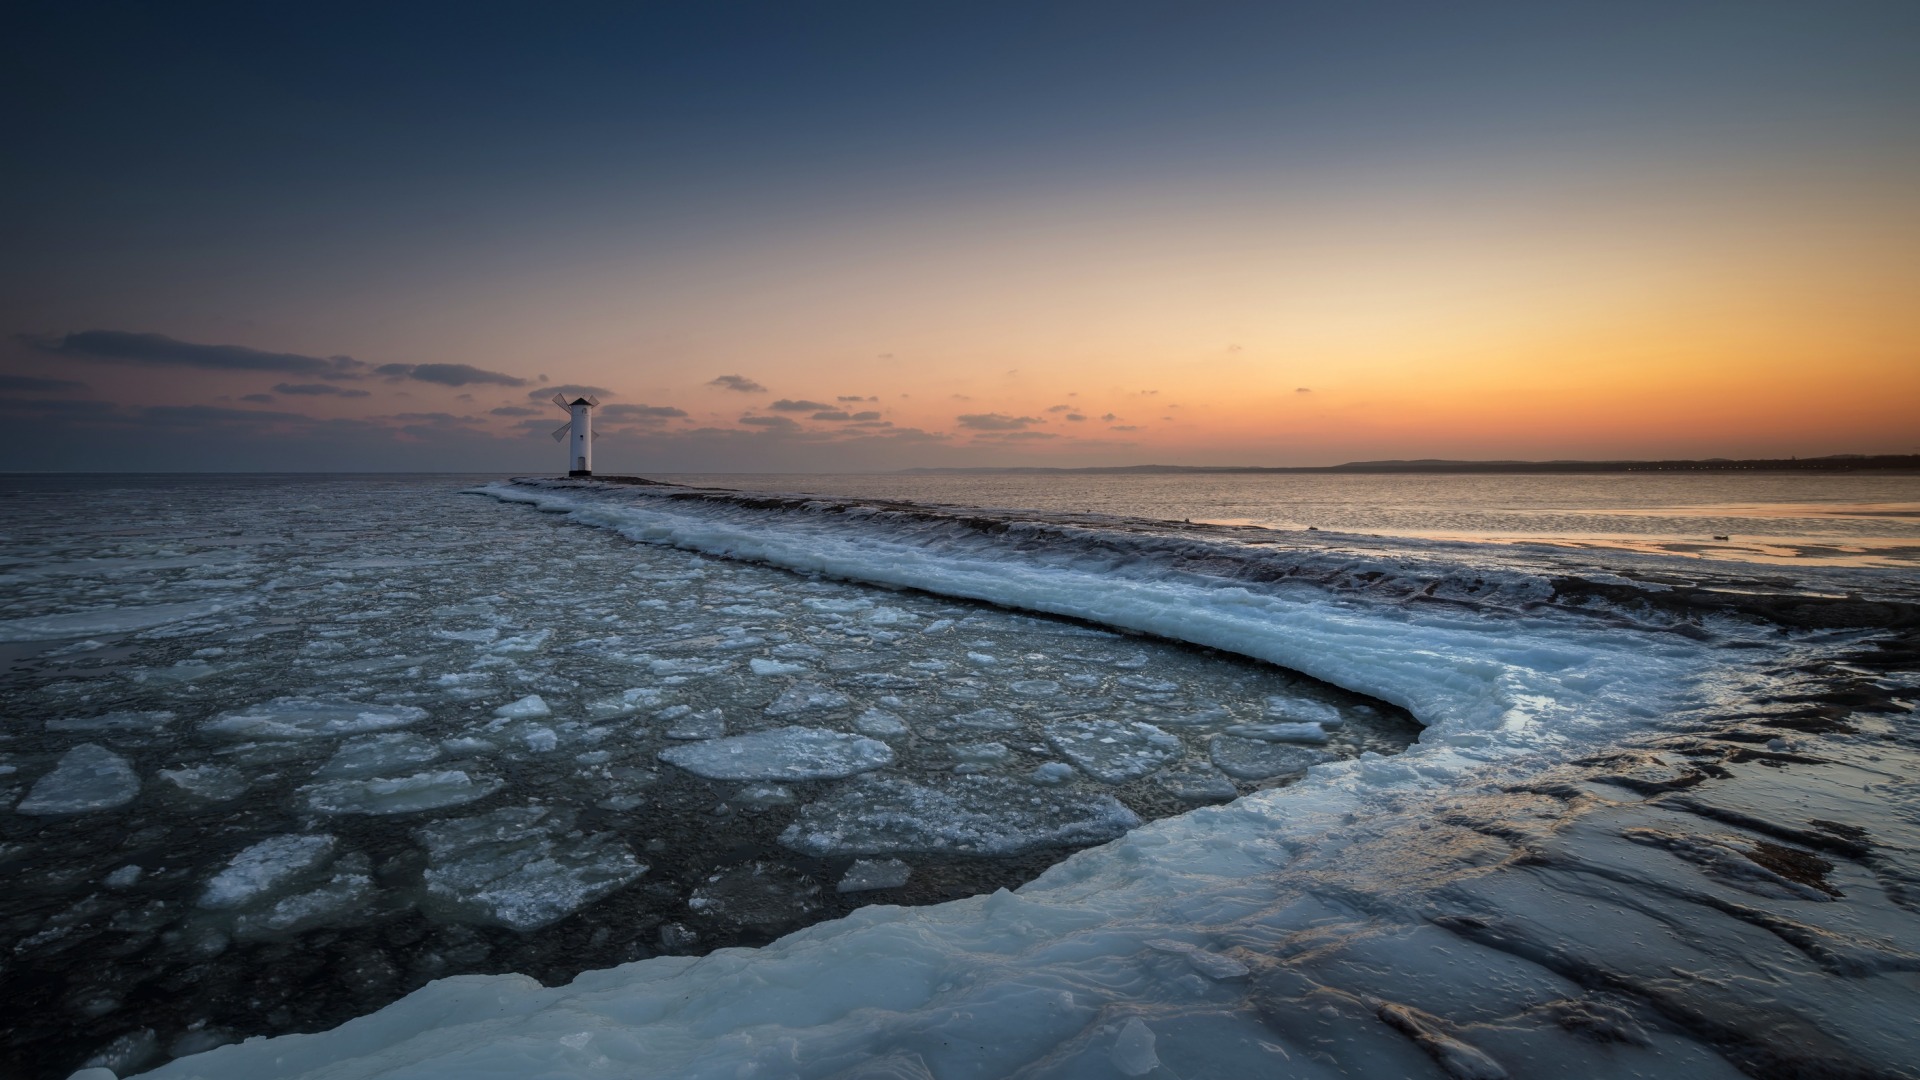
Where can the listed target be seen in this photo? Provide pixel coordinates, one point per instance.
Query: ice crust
(788, 753)
(263, 867)
(306, 718)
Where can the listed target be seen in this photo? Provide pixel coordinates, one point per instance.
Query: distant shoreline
(1839, 463)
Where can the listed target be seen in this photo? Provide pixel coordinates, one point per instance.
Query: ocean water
(279, 751)
(1857, 520)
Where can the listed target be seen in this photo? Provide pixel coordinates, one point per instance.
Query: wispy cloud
(996, 421)
(158, 350)
(317, 390)
(448, 374)
(801, 405)
(28, 384)
(771, 423)
(642, 413)
(737, 382)
(569, 390)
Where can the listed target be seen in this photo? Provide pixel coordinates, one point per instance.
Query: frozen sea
(952, 777)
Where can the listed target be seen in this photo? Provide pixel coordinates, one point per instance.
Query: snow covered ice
(1635, 836)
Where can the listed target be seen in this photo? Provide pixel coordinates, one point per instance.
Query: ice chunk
(1035, 687)
(110, 620)
(370, 755)
(969, 815)
(1111, 751)
(788, 753)
(507, 867)
(123, 878)
(980, 659)
(113, 721)
(531, 707)
(866, 875)
(987, 719)
(401, 795)
(807, 697)
(1197, 784)
(1133, 1050)
(1306, 711)
(541, 740)
(762, 666)
(215, 783)
(311, 718)
(521, 644)
(880, 724)
(693, 725)
(626, 704)
(264, 867)
(1053, 772)
(1252, 759)
(1280, 732)
(345, 892)
(87, 778)
(762, 796)
(986, 753)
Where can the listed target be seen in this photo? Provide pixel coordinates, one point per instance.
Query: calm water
(1768, 517)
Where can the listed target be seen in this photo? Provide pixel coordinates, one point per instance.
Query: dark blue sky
(373, 179)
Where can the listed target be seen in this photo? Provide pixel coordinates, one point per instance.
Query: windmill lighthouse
(580, 427)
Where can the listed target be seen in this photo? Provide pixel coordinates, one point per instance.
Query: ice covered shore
(1630, 843)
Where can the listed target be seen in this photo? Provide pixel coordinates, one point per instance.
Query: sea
(960, 775)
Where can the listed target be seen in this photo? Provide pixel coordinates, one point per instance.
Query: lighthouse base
(580, 472)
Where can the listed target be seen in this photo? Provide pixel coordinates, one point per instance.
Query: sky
(852, 236)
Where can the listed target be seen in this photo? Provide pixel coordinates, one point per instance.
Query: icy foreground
(1629, 843)
(420, 734)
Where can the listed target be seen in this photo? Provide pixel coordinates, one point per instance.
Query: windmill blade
(596, 436)
(560, 433)
(560, 399)
(593, 401)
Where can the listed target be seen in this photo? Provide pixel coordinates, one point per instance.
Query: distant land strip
(1832, 464)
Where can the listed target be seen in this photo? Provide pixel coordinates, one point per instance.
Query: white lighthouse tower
(577, 433)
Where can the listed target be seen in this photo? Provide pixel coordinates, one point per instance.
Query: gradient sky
(858, 236)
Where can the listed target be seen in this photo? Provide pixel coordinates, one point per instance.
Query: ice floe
(788, 753)
(87, 779)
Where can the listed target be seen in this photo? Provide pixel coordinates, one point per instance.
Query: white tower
(580, 445)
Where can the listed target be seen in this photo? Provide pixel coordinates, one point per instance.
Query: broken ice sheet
(512, 866)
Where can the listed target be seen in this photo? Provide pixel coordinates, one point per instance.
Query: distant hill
(1830, 464)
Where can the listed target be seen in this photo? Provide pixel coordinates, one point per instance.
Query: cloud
(872, 423)
(771, 423)
(1110, 418)
(569, 390)
(1075, 417)
(995, 421)
(832, 414)
(448, 374)
(867, 415)
(316, 390)
(1303, 389)
(644, 413)
(515, 410)
(31, 385)
(1015, 436)
(802, 405)
(1059, 408)
(1124, 427)
(219, 416)
(856, 397)
(737, 382)
(158, 350)
(261, 398)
